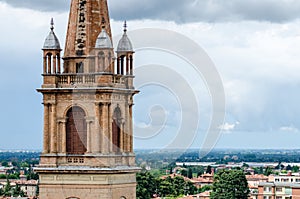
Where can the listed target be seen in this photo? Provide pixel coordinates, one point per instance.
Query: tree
(199, 171)
(190, 188)
(178, 186)
(146, 185)
(208, 169)
(5, 164)
(184, 172)
(289, 168)
(171, 170)
(230, 184)
(7, 189)
(295, 169)
(166, 187)
(268, 171)
(17, 191)
(190, 173)
(205, 188)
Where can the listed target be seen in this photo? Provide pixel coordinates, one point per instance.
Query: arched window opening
(122, 65)
(79, 67)
(101, 61)
(58, 63)
(131, 65)
(116, 130)
(76, 129)
(49, 63)
(109, 61)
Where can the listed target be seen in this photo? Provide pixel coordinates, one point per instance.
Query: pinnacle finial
(52, 24)
(125, 26)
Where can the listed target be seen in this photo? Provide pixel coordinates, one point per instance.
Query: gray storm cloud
(184, 11)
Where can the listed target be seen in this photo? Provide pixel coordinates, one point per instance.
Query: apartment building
(278, 190)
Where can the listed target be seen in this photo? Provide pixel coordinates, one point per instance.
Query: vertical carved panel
(81, 28)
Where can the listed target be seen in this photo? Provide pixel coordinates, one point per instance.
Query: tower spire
(87, 17)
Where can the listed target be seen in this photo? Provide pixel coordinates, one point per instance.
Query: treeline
(149, 186)
(160, 159)
(19, 156)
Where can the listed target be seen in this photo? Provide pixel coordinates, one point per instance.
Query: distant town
(176, 173)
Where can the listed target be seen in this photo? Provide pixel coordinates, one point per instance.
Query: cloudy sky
(255, 46)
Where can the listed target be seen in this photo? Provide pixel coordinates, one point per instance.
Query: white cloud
(228, 127)
(289, 129)
(258, 61)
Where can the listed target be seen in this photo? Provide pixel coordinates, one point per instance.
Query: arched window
(116, 130)
(109, 62)
(79, 67)
(130, 65)
(122, 197)
(101, 62)
(49, 63)
(76, 129)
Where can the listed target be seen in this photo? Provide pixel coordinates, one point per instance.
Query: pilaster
(46, 138)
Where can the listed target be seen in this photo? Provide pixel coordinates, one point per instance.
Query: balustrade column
(46, 129)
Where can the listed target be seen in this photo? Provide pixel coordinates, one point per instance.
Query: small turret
(104, 52)
(51, 51)
(125, 54)
(103, 40)
(125, 45)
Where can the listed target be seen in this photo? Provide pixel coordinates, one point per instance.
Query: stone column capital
(62, 120)
(90, 119)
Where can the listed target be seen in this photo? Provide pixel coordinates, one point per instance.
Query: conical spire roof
(125, 44)
(51, 42)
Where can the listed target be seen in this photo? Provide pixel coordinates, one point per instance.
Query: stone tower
(88, 130)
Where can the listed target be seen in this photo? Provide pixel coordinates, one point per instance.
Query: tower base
(85, 182)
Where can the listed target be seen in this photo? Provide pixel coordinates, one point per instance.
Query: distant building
(204, 195)
(253, 182)
(203, 180)
(288, 177)
(3, 170)
(278, 190)
(29, 187)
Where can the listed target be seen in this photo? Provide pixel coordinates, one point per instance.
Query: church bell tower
(88, 130)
